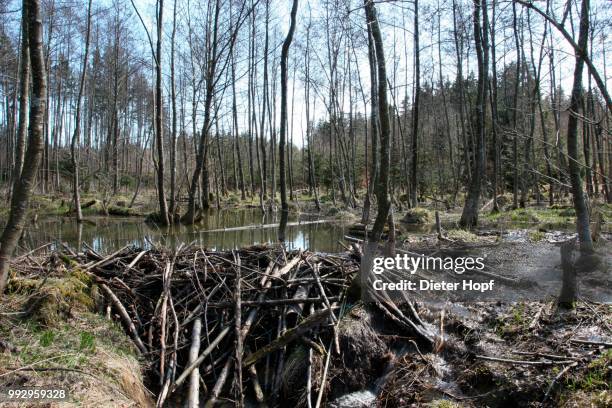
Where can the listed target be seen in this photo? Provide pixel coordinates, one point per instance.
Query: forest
(219, 177)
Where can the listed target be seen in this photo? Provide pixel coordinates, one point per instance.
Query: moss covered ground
(53, 336)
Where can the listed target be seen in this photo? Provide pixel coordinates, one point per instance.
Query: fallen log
(264, 226)
(275, 302)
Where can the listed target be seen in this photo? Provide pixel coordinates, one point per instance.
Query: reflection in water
(282, 226)
(106, 234)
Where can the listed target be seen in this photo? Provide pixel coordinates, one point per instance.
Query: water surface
(106, 234)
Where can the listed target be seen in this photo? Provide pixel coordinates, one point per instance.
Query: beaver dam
(262, 326)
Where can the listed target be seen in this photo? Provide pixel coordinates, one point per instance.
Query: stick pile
(215, 324)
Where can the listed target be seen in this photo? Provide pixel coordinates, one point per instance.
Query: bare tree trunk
(77, 125)
(556, 109)
(24, 89)
(382, 185)
(201, 169)
(253, 119)
(219, 156)
(494, 114)
(283, 109)
(567, 297)
(582, 213)
(469, 216)
(517, 78)
(600, 156)
(586, 144)
(159, 126)
(140, 165)
(251, 106)
(451, 153)
(459, 81)
(415, 110)
(46, 152)
(290, 152)
(312, 180)
(23, 187)
(236, 131)
(374, 126)
(265, 101)
(272, 125)
(174, 122)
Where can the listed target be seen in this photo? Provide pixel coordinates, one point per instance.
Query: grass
(515, 321)
(589, 387)
(88, 341)
(46, 338)
(462, 235)
(596, 377)
(536, 236)
(88, 355)
(518, 314)
(521, 216)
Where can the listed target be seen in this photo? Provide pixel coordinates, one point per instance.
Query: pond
(107, 234)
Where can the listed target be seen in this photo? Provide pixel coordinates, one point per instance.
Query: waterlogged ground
(525, 264)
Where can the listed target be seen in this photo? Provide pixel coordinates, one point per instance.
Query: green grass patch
(88, 341)
(514, 321)
(595, 377)
(536, 236)
(590, 387)
(46, 338)
(61, 331)
(556, 216)
(462, 235)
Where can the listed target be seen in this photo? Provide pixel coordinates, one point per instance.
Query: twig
(105, 260)
(259, 395)
(593, 343)
(216, 391)
(557, 378)
(537, 363)
(136, 259)
(237, 328)
(125, 317)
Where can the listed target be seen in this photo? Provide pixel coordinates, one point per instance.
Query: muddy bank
(522, 354)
